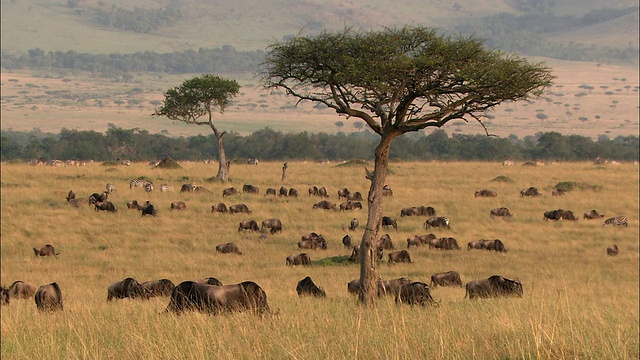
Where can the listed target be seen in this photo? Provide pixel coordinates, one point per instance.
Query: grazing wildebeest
(21, 290)
(592, 214)
(477, 244)
(616, 220)
(49, 297)
(486, 193)
(532, 191)
(105, 206)
(440, 221)
(178, 205)
(313, 244)
(322, 192)
(270, 191)
(426, 211)
(228, 248)
(354, 224)
(162, 287)
(494, 286)
(4, 295)
(71, 195)
(324, 204)
(446, 279)
(300, 259)
(346, 241)
(399, 256)
(411, 211)
(389, 221)
(385, 242)
(219, 207)
(422, 239)
(355, 196)
(239, 208)
(250, 189)
(392, 287)
(230, 191)
(313, 190)
(500, 212)
(553, 215)
(415, 293)
(190, 295)
(312, 236)
(612, 250)
(97, 198)
(350, 205)
(133, 204)
(188, 188)
(282, 191)
(446, 243)
(293, 192)
(248, 225)
(568, 215)
(149, 209)
(306, 287)
(343, 193)
(386, 191)
(413, 241)
(495, 245)
(128, 288)
(275, 225)
(558, 192)
(46, 250)
(210, 281)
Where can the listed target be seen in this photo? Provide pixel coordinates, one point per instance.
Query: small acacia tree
(397, 81)
(196, 98)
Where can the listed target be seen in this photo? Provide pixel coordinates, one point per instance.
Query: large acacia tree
(397, 81)
(197, 97)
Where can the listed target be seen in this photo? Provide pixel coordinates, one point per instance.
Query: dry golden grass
(578, 302)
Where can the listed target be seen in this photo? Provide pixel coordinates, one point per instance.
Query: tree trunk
(284, 171)
(223, 164)
(368, 271)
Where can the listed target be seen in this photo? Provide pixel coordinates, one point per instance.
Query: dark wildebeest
(312, 236)
(346, 241)
(190, 295)
(612, 250)
(275, 225)
(293, 192)
(447, 243)
(386, 191)
(228, 248)
(553, 214)
(46, 250)
(313, 190)
(477, 244)
(178, 205)
(71, 195)
(494, 286)
(500, 212)
(413, 241)
(389, 221)
(385, 242)
(422, 239)
(239, 208)
(282, 191)
(532, 191)
(411, 211)
(343, 193)
(350, 205)
(149, 209)
(230, 191)
(4, 295)
(219, 207)
(448, 278)
(49, 297)
(440, 221)
(270, 191)
(250, 189)
(313, 244)
(21, 290)
(128, 288)
(162, 287)
(495, 245)
(306, 287)
(592, 214)
(324, 204)
(486, 193)
(322, 192)
(568, 215)
(415, 293)
(354, 224)
(188, 188)
(355, 196)
(210, 281)
(558, 192)
(133, 204)
(300, 259)
(392, 287)
(97, 198)
(399, 256)
(105, 206)
(426, 211)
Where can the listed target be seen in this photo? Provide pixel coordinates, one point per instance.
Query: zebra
(616, 220)
(166, 187)
(138, 183)
(148, 187)
(110, 188)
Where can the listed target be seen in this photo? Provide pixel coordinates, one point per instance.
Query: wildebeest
(386, 190)
(385, 242)
(592, 214)
(282, 191)
(178, 205)
(413, 241)
(422, 239)
(312, 236)
(410, 211)
(239, 208)
(440, 221)
(559, 214)
(162, 287)
(228, 248)
(355, 286)
(355, 253)
(133, 204)
(500, 212)
(190, 295)
(21, 290)
(313, 243)
(300, 259)
(306, 287)
(4, 295)
(322, 192)
(230, 191)
(486, 193)
(343, 193)
(250, 189)
(415, 293)
(149, 209)
(71, 195)
(400, 256)
(210, 281)
(105, 206)
(532, 191)
(324, 204)
(477, 244)
(355, 196)
(46, 250)
(49, 297)
(612, 250)
(293, 192)
(127, 288)
(494, 286)
(392, 287)
(350, 205)
(188, 188)
(445, 243)
(346, 241)
(495, 245)
(219, 207)
(354, 224)
(97, 198)
(558, 192)
(313, 190)
(446, 279)
(274, 225)
(389, 221)
(568, 215)
(270, 191)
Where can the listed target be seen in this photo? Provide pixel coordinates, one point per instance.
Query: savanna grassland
(578, 302)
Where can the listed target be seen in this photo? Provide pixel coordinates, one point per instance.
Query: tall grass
(578, 302)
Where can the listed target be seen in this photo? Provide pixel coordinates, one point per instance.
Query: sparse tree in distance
(398, 80)
(197, 97)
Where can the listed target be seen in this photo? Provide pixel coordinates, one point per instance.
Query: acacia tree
(196, 98)
(397, 81)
